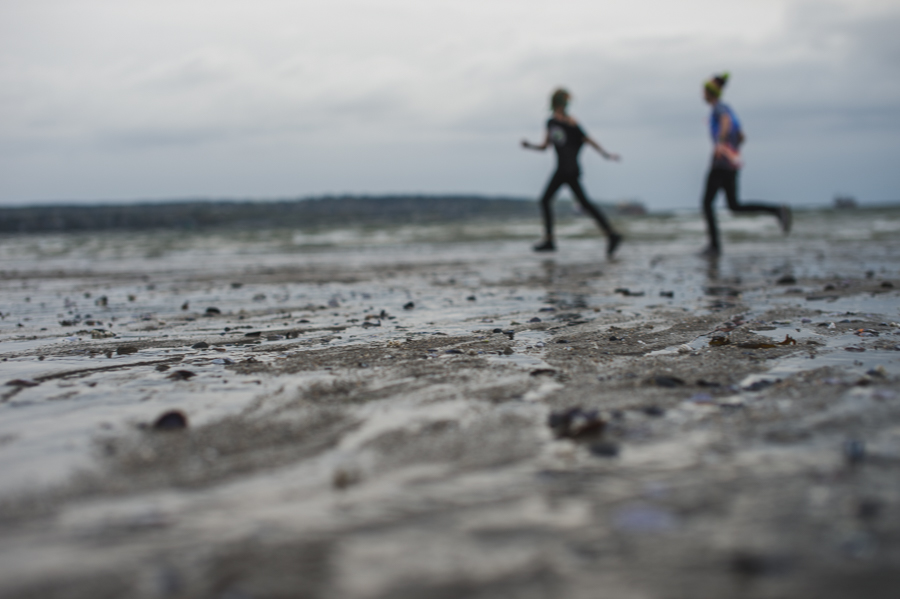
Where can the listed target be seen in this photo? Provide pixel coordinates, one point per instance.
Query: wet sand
(437, 412)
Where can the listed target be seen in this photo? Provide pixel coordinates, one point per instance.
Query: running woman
(567, 138)
(727, 137)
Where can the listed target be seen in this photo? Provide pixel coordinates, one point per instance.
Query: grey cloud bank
(105, 100)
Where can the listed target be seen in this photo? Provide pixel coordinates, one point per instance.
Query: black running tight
(557, 181)
(726, 179)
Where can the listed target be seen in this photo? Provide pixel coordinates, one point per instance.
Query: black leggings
(726, 179)
(558, 180)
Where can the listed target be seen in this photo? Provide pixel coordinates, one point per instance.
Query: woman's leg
(729, 180)
(782, 213)
(553, 186)
(713, 182)
(575, 185)
(613, 239)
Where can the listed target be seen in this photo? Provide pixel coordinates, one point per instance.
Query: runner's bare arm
(724, 127)
(542, 147)
(599, 148)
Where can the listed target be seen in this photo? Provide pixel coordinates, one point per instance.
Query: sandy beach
(435, 411)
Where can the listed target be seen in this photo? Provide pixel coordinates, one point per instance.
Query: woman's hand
(601, 150)
(527, 144)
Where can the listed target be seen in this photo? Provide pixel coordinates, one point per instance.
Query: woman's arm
(604, 153)
(724, 127)
(527, 144)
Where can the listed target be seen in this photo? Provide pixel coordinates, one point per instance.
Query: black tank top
(567, 140)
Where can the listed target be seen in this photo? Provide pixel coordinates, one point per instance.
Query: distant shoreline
(304, 213)
(299, 213)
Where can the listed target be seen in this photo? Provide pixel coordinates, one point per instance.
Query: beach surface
(435, 411)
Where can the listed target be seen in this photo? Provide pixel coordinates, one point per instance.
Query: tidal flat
(435, 411)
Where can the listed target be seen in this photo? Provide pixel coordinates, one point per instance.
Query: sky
(104, 100)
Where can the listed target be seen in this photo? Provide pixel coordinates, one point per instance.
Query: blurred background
(105, 101)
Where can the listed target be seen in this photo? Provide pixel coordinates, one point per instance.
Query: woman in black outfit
(567, 138)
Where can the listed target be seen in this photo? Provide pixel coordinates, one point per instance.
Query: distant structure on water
(845, 202)
(630, 208)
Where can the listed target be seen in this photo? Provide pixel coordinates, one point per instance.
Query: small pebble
(575, 423)
(200, 345)
(752, 565)
(703, 398)
(543, 371)
(869, 509)
(759, 385)
(854, 451)
(604, 449)
(181, 375)
(172, 420)
(704, 383)
(212, 311)
(638, 518)
(667, 381)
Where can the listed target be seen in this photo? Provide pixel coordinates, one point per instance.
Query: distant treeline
(298, 213)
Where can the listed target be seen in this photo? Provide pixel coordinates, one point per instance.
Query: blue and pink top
(727, 154)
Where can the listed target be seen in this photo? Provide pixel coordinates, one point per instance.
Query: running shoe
(612, 244)
(547, 246)
(786, 218)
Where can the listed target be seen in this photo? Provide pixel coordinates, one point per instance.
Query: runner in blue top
(567, 138)
(727, 136)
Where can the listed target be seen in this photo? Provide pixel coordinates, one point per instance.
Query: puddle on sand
(833, 352)
(522, 342)
(852, 362)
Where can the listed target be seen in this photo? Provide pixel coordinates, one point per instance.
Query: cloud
(445, 88)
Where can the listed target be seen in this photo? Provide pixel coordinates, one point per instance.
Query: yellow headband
(712, 88)
(715, 85)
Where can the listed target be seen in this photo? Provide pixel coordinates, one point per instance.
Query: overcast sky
(155, 99)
